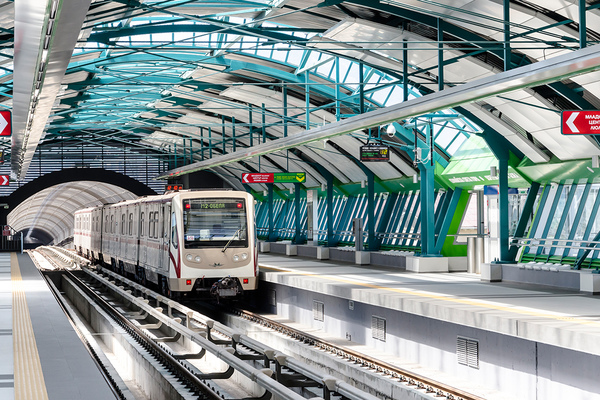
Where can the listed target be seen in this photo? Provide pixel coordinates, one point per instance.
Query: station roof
(191, 82)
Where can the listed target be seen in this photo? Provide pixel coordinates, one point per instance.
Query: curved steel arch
(73, 175)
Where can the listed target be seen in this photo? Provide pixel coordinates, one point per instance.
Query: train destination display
(372, 152)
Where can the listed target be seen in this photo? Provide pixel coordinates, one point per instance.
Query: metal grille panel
(318, 311)
(467, 352)
(378, 329)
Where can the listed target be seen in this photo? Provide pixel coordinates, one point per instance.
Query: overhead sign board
(257, 178)
(5, 123)
(580, 122)
(4, 180)
(372, 152)
(283, 177)
(291, 177)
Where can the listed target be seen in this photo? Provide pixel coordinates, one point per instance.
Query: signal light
(240, 205)
(188, 282)
(188, 206)
(245, 281)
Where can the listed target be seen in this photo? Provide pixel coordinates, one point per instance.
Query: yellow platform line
(29, 379)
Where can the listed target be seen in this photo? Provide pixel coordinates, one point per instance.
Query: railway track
(189, 380)
(390, 371)
(382, 369)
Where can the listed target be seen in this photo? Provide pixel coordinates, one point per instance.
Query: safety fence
(11, 240)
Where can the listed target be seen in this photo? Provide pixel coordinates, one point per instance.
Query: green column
(524, 218)
(372, 240)
(271, 233)
(298, 234)
(503, 205)
(427, 210)
(330, 238)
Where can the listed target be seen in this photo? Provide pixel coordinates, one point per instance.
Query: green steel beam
(447, 217)
(550, 217)
(385, 221)
(563, 218)
(584, 253)
(524, 218)
(588, 231)
(575, 224)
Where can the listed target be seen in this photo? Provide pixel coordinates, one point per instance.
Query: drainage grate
(318, 311)
(378, 328)
(467, 352)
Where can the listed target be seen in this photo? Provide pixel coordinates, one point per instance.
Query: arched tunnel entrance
(43, 209)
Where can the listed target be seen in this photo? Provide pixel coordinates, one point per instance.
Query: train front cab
(212, 246)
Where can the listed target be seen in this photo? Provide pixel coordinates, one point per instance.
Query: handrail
(541, 242)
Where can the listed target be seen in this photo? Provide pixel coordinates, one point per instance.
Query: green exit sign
(290, 177)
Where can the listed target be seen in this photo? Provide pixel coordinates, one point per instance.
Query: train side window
(174, 240)
(130, 230)
(112, 224)
(151, 223)
(123, 224)
(142, 230)
(156, 221)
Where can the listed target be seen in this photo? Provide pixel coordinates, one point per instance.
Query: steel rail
(393, 371)
(333, 384)
(154, 348)
(258, 376)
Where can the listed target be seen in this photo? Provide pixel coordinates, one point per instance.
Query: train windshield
(214, 223)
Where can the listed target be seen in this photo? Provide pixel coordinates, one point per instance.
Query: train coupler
(226, 287)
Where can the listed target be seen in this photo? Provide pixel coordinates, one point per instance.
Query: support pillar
(298, 235)
(507, 51)
(271, 234)
(329, 200)
(427, 210)
(503, 205)
(582, 24)
(372, 240)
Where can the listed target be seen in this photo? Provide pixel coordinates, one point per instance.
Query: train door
(143, 234)
(122, 233)
(164, 235)
(135, 235)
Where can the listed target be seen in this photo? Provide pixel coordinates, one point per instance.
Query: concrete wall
(519, 368)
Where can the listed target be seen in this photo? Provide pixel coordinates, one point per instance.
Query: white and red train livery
(201, 241)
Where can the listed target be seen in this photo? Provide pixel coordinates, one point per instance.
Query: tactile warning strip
(29, 379)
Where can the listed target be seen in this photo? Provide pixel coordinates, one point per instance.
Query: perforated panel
(467, 352)
(378, 329)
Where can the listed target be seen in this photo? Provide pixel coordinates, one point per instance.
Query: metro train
(200, 242)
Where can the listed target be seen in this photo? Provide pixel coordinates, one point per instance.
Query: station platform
(531, 341)
(42, 356)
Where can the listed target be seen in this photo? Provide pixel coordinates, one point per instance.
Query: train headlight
(197, 259)
(189, 257)
(244, 256)
(236, 258)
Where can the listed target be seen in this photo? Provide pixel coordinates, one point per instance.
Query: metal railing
(542, 242)
(11, 240)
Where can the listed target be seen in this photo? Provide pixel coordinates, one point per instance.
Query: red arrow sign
(4, 180)
(257, 178)
(580, 122)
(5, 123)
